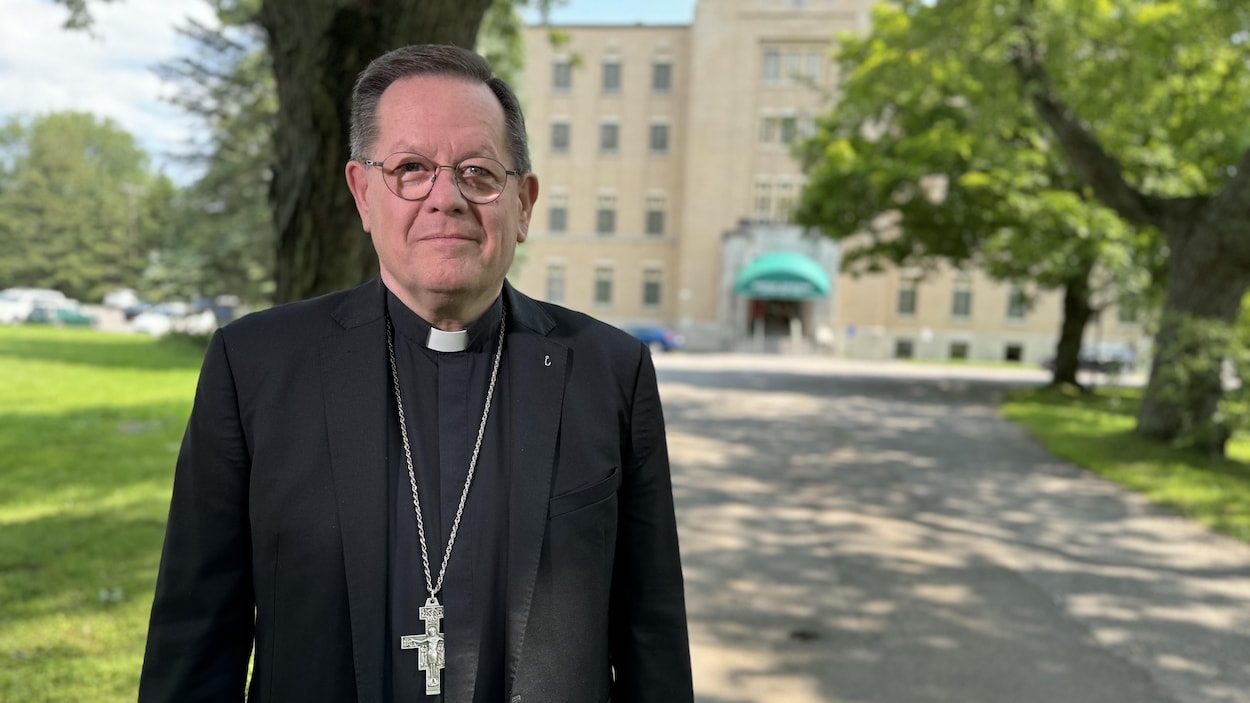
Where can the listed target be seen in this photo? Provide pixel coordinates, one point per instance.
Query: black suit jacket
(277, 532)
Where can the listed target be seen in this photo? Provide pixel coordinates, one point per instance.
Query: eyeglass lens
(411, 177)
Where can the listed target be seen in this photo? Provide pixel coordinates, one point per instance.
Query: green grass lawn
(89, 430)
(1096, 431)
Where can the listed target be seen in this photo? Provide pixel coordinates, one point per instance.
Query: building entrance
(772, 318)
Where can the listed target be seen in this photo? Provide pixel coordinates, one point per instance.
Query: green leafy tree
(308, 54)
(927, 159)
(224, 240)
(79, 206)
(1144, 101)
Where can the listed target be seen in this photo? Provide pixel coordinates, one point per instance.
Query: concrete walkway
(875, 533)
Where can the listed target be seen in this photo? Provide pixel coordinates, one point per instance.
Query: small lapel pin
(547, 360)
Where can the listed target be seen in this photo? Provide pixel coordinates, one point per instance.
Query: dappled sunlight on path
(878, 540)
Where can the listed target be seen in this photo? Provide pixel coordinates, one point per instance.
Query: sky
(109, 72)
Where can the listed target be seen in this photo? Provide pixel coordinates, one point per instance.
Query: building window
(558, 213)
(907, 299)
(785, 201)
(786, 129)
(789, 129)
(1017, 304)
(772, 67)
(959, 351)
(562, 75)
(794, 67)
(1013, 352)
(655, 215)
(555, 283)
(560, 137)
(659, 138)
(603, 285)
(815, 67)
(961, 299)
(652, 280)
(661, 77)
(770, 126)
(609, 137)
(612, 76)
(605, 214)
(762, 207)
(904, 349)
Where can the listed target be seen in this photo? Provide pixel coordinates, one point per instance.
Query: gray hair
(431, 60)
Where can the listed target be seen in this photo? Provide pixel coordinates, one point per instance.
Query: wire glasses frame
(480, 179)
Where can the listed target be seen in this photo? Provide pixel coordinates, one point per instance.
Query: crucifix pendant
(430, 652)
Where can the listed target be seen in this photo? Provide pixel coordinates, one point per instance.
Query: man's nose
(444, 191)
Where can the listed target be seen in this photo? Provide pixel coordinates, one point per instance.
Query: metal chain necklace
(430, 646)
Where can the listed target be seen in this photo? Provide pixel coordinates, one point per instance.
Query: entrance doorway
(773, 316)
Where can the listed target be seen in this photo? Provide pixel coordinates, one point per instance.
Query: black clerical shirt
(444, 394)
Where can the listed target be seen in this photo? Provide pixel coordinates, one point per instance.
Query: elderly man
(429, 487)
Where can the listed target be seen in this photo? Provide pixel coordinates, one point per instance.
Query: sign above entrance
(783, 275)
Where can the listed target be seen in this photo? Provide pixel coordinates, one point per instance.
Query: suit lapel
(354, 381)
(537, 368)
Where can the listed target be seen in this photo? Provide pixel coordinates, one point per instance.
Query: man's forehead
(432, 91)
(454, 104)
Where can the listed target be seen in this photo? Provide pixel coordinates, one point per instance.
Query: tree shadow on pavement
(889, 541)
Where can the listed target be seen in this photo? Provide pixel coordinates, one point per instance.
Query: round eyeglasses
(480, 179)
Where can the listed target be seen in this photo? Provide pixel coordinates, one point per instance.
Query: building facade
(667, 183)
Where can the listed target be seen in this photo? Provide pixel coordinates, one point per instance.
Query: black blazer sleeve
(649, 641)
(200, 634)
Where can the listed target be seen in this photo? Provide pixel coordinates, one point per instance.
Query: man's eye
(411, 167)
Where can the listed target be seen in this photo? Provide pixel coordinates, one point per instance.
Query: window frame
(605, 214)
(603, 285)
(557, 267)
(562, 68)
(607, 127)
(558, 202)
(652, 282)
(659, 128)
(667, 87)
(564, 128)
(611, 67)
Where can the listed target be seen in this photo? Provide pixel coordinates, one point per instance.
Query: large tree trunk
(1208, 251)
(1076, 314)
(1205, 284)
(318, 48)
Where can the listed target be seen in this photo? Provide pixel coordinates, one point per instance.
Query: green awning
(783, 275)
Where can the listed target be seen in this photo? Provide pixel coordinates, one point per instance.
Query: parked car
(1105, 357)
(13, 310)
(657, 337)
(121, 299)
(174, 316)
(17, 304)
(65, 313)
(152, 323)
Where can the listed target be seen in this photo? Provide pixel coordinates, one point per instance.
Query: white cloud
(108, 72)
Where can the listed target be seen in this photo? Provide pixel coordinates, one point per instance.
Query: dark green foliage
(79, 207)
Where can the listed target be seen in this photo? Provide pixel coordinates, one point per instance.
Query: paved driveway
(876, 534)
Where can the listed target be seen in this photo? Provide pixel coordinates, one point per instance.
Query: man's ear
(527, 193)
(358, 182)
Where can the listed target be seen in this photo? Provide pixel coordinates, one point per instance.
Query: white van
(16, 304)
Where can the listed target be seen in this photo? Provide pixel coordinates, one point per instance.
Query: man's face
(442, 250)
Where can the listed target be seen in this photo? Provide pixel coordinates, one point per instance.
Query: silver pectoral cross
(430, 651)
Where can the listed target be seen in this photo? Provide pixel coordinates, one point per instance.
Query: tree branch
(1089, 160)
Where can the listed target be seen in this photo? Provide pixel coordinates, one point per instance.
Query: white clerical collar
(441, 341)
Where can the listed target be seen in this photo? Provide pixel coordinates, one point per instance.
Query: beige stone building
(663, 154)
